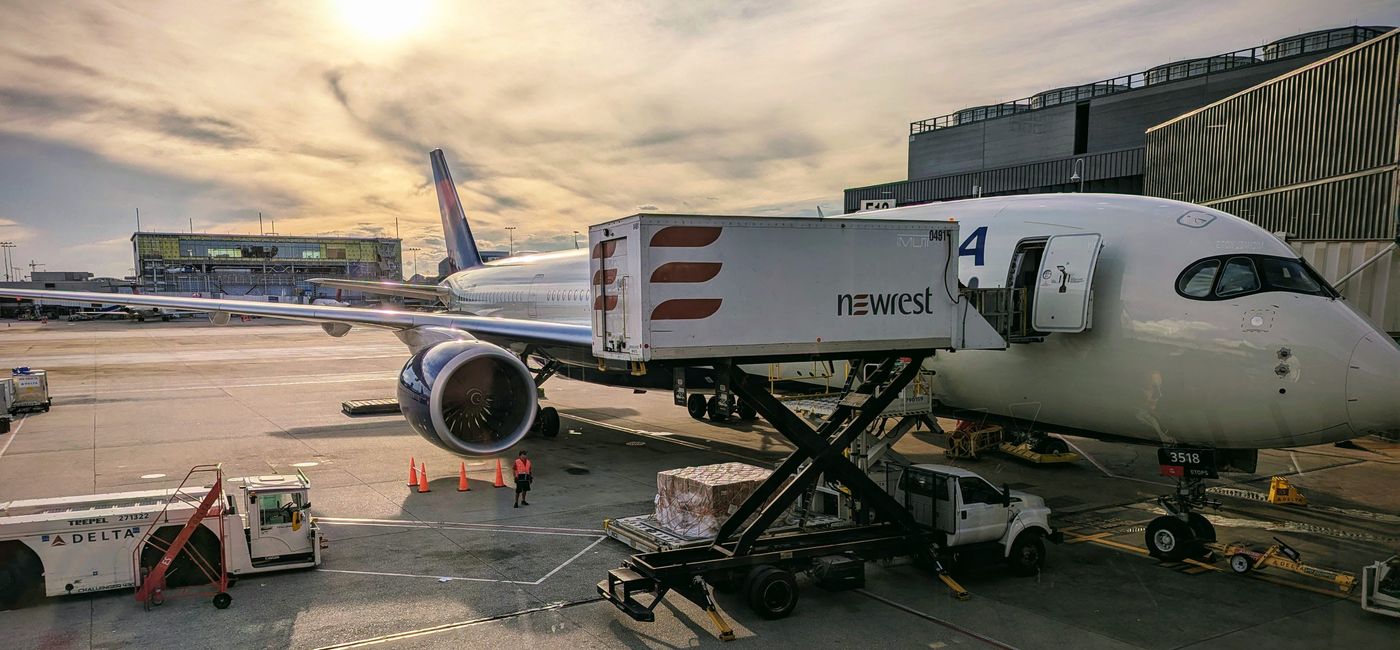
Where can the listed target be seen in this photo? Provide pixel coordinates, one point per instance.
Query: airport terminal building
(1297, 135)
(272, 265)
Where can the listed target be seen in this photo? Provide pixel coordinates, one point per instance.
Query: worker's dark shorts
(522, 484)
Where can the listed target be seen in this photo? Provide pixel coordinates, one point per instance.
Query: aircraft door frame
(1064, 283)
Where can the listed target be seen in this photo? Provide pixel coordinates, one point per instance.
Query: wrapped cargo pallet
(694, 501)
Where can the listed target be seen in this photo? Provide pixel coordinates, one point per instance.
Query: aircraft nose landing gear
(1183, 533)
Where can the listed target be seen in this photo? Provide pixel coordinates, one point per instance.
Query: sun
(383, 20)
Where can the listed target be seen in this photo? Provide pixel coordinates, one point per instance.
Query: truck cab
(970, 514)
(277, 528)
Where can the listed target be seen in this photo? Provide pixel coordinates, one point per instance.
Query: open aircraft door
(1063, 289)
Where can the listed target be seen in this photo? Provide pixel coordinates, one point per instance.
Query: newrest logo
(884, 304)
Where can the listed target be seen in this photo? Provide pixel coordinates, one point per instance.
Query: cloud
(552, 117)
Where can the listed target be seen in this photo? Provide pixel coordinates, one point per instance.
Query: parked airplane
(1149, 321)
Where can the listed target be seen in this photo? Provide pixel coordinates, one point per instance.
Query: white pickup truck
(973, 516)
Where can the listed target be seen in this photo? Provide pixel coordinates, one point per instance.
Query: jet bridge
(723, 292)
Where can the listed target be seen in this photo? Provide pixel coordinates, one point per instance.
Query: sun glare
(383, 20)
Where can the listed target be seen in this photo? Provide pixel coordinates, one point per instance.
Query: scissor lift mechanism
(889, 530)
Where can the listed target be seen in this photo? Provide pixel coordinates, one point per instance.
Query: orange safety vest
(522, 466)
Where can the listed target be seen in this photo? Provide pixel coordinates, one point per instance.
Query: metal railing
(1006, 311)
(1302, 44)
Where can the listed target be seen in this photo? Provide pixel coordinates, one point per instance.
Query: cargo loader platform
(661, 292)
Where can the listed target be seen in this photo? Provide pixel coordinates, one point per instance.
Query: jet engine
(468, 397)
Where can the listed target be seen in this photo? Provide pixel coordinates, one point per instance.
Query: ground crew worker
(523, 476)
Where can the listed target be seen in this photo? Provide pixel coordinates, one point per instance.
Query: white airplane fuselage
(1268, 369)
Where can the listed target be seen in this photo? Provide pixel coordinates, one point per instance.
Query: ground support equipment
(742, 554)
(150, 581)
(1243, 559)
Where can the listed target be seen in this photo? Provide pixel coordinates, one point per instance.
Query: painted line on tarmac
(654, 435)
(531, 583)
(464, 525)
(399, 636)
(423, 575)
(13, 432)
(1203, 567)
(934, 619)
(310, 380)
(570, 560)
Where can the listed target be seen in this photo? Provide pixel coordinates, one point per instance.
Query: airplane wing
(504, 329)
(429, 291)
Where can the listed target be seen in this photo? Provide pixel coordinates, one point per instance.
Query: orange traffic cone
(462, 485)
(412, 473)
(423, 478)
(500, 479)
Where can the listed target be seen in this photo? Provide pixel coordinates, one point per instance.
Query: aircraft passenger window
(1237, 278)
(976, 490)
(1290, 275)
(1197, 280)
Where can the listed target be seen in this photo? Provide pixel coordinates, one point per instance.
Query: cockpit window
(1231, 276)
(1290, 275)
(1197, 280)
(1237, 278)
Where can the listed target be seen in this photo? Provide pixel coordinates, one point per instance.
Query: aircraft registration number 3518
(1181, 462)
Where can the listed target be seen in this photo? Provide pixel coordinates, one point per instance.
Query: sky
(554, 114)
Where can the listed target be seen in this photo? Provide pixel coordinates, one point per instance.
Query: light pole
(511, 231)
(575, 240)
(414, 250)
(1078, 176)
(7, 245)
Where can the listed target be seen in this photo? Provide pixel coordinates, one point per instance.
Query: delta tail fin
(461, 246)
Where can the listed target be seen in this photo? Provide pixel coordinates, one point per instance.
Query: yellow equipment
(1282, 556)
(969, 442)
(1280, 491)
(1026, 453)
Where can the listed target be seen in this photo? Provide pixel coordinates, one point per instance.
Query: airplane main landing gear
(1182, 533)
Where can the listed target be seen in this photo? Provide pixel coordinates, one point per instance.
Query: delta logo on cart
(885, 304)
(96, 536)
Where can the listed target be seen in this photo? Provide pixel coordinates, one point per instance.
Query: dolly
(1243, 559)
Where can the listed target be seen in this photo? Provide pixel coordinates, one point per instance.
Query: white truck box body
(86, 542)
(695, 287)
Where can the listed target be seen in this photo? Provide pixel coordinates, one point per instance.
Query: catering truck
(72, 545)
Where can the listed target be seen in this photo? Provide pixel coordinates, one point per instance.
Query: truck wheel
(1169, 538)
(1241, 563)
(21, 576)
(715, 410)
(222, 600)
(1027, 554)
(695, 406)
(184, 571)
(772, 592)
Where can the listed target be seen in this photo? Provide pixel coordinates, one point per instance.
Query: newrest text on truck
(80, 544)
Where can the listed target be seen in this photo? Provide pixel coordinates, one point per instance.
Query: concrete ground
(136, 404)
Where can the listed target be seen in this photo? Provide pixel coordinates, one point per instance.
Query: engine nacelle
(468, 397)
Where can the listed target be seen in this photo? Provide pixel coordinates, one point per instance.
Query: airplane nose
(1373, 386)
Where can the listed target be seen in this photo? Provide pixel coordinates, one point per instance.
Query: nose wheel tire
(772, 592)
(695, 406)
(1170, 539)
(746, 412)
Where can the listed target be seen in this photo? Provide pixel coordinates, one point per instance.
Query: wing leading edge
(501, 329)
